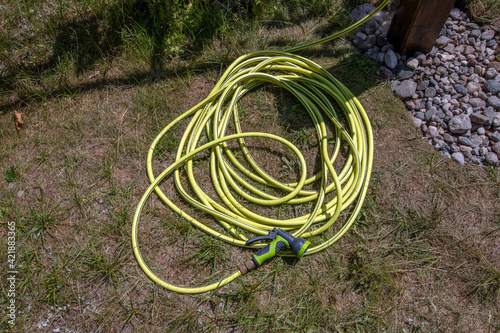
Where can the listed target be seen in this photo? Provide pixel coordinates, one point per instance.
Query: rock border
(452, 93)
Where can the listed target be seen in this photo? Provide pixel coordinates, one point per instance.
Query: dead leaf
(18, 119)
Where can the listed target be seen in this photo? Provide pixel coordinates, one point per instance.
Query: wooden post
(417, 23)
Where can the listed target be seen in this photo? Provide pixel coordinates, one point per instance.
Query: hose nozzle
(279, 240)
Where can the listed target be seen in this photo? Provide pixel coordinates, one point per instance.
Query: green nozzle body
(279, 240)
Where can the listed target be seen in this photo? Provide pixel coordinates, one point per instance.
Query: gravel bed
(452, 93)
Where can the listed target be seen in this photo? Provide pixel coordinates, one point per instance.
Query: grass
(484, 11)
(96, 81)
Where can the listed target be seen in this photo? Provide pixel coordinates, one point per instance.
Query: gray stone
(491, 43)
(491, 73)
(481, 131)
(460, 48)
(456, 14)
(410, 104)
(450, 48)
(363, 46)
(495, 136)
(419, 104)
(471, 26)
(430, 113)
(473, 87)
(447, 106)
(417, 122)
(430, 92)
(403, 72)
(440, 144)
(476, 160)
(495, 116)
(371, 41)
(476, 127)
(459, 157)
(420, 115)
(432, 131)
(361, 11)
(423, 85)
(467, 151)
(442, 41)
(460, 88)
(476, 140)
(492, 86)
(406, 89)
(480, 118)
(488, 34)
(483, 151)
(390, 59)
(491, 158)
(464, 141)
(427, 62)
(385, 72)
(475, 33)
(380, 57)
(477, 102)
(485, 140)
(460, 124)
(443, 152)
(454, 148)
(387, 48)
(360, 36)
(496, 147)
(494, 102)
(469, 50)
(413, 64)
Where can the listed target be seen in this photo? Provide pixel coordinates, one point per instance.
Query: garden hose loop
(314, 88)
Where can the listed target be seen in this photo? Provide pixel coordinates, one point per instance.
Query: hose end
(246, 267)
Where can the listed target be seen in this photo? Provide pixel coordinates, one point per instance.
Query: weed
(368, 275)
(494, 175)
(179, 226)
(106, 169)
(484, 11)
(133, 312)
(11, 174)
(167, 145)
(79, 202)
(300, 138)
(208, 252)
(54, 286)
(120, 217)
(43, 155)
(40, 222)
(101, 266)
(70, 166)
(485, 285)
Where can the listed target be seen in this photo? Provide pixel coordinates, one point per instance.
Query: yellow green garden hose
(314, 88)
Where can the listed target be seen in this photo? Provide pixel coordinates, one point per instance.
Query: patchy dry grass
(423, 256)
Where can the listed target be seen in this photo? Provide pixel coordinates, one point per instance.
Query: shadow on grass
(89, 39)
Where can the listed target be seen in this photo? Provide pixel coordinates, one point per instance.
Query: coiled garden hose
(314, 88)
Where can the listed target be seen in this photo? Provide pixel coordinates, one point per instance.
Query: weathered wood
(417, 23)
